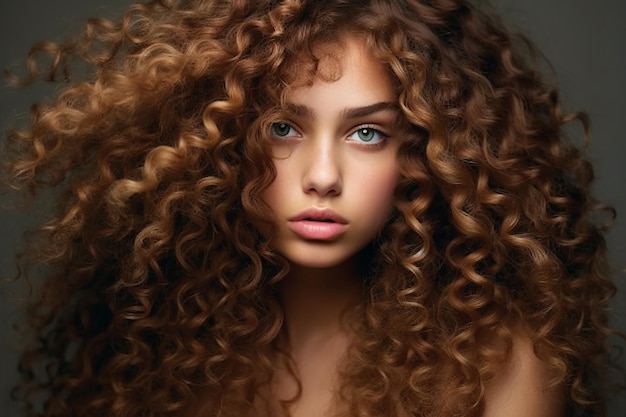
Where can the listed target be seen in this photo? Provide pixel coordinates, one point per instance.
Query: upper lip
(320, 215)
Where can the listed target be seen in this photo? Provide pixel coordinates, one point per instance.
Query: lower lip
(313, 230)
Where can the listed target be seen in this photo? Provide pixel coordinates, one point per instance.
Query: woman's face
(335, 159)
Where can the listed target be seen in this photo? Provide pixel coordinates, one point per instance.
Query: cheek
(387, 201)
(270, 195)
(377, 201)
(379, 186)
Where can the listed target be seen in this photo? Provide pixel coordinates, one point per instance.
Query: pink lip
(318, 224)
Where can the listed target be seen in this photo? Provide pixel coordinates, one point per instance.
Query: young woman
(310, 208)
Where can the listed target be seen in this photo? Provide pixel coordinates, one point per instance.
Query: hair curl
(159, 284)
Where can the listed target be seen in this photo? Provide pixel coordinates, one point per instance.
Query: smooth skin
(336, 150)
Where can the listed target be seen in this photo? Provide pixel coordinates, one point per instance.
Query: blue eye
(367, 135)
(283, 130)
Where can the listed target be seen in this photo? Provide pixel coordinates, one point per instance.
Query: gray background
(583, 39)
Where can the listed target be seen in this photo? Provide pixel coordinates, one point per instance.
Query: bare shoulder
(520, 387)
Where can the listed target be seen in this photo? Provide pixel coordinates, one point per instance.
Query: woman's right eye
(283, 130)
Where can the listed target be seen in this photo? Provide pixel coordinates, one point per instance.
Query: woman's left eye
(367, 135)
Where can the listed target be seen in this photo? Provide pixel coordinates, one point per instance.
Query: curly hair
(159, 295)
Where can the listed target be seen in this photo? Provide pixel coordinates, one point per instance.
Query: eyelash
(382, 137)
(285, 124)
(377, 143)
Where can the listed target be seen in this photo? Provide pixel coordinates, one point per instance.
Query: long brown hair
(159, 289)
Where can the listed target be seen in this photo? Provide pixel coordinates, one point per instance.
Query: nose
(322, 173)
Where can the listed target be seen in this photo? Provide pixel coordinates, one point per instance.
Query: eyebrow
(348, 112)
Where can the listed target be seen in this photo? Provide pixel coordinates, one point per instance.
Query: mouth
(318, 225)
(319, 215)
(312, 219)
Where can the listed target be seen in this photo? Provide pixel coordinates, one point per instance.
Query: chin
(321, 257)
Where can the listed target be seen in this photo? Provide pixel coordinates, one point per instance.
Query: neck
(315, 301)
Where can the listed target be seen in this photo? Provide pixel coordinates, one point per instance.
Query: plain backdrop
(583, 39)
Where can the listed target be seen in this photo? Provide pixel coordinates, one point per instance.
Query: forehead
(348, 59)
